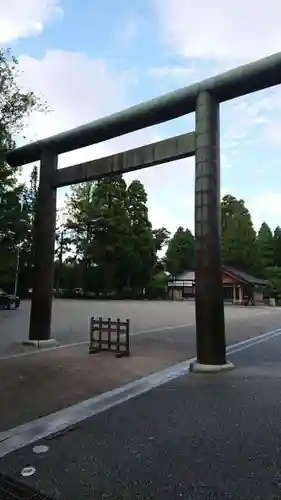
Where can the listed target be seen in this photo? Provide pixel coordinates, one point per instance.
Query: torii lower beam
(157, 153)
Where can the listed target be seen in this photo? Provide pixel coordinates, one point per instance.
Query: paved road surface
(71, 317)
(199, 437)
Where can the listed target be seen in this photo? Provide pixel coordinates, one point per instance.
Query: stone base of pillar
(41, 343)
(196, 367)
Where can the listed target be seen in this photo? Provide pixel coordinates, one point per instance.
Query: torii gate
(203, 98)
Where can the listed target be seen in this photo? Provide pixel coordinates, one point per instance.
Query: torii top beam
(240, 81)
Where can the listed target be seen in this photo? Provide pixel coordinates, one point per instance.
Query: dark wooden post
(43, 244)
(210, 325)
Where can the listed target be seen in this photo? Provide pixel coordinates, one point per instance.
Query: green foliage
(273, 274)
(80, 214)
(238, 236)
(161, 238)
(180, 252)
(25, 237)
(110, 243)
(15, 107)
(10, 232)
(16, 216)
(265, 246)
(142, 256)
(100, 225)
(15, 104)
(112, 234)
(277, 246)
(157, 286)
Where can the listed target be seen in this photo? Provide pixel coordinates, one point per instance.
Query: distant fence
(110, 336)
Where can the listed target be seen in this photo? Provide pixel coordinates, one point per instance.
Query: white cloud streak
(24, 18)
(236, 30)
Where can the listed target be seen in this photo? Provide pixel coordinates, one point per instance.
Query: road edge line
(25, 434)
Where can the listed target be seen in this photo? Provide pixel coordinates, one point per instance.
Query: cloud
(225, 31)
(170, 189)
(272, 136)
(23, 18)
(171, 71)
(265, 207)
(214, 36)
(77, 88)
(127, 33)
(250, 122)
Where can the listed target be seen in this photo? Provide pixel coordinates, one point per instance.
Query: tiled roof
(187, 275)
(239, 275)
(245, 277)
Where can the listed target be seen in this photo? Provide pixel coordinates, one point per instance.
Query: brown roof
(244, 277)
(235, 273)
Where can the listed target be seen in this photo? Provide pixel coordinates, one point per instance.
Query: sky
(91, 58)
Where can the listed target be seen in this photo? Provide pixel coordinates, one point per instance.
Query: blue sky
(91, 58)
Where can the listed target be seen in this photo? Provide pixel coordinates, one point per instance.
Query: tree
(69, 276)
(180, 252)
(157, 286)
(15, 107)
(238, 235)
(80, 212)
(277, 246)
(161, 237)
(273, 275)
(142, 254)
(33, 191)
(100, 223)
(111, 235)
(265, 246)
(63, 244)
(12, 233)
(24, 246)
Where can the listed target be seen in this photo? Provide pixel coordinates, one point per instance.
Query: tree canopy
(265, 246)
(238, 236)
(180, 252)
(112, 234)
(15, 202)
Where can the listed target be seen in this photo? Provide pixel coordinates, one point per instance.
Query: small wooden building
(237, 285)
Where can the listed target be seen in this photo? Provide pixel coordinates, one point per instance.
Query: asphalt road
(70, 322)
(199, 437)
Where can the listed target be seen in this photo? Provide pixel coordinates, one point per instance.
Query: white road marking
(28, 471)
(81, 342)
(151, 330)
(41, 428)
(253, 341)
(40, 449)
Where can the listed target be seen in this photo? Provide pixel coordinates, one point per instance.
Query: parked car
(8, 301)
